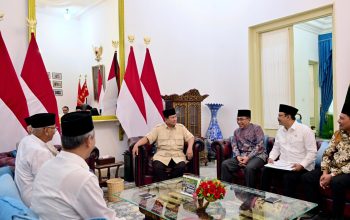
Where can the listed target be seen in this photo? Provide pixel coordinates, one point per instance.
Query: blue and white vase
(214, 132)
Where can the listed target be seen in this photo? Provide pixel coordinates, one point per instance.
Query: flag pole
(85, 82)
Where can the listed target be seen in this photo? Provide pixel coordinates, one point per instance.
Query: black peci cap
(243, 113)
(169, 112)
(290, 110)
(41, 120)
(76, 124)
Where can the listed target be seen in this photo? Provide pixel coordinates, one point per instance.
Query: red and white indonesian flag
(13, 106)
(109, 102)
(100, 90)
(79, 102)
(131, 110)
(37, 87)
(151, 93)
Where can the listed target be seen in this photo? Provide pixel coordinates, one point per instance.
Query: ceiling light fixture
(67, 15)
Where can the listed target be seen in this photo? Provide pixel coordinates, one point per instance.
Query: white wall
(305, 50)
(60, 44)
(342, 53)
(203, 44)
(14, 31)
(199, 44)
(67, 46)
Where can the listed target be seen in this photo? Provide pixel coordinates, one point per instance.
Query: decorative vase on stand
(213, 132)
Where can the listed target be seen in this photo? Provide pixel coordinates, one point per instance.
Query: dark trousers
(161, 173)
(290, 180)
(230, 166)
(339, 184)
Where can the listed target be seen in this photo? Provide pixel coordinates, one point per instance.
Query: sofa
(8, 158)
(143, 161)
(11, 205)
(223, 151)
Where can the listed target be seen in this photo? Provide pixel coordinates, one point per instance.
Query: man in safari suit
(170, 137)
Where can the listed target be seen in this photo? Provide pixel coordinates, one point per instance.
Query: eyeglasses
(52, 127)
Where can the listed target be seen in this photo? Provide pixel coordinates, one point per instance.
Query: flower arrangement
(210, 190)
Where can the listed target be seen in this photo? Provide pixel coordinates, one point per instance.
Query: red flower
(211, 190)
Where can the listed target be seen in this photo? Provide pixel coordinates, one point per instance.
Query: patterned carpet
(125, 209)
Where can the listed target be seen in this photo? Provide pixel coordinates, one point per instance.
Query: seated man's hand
(270, 160)
(189, 154)
(240, 159)
(135, 150)
(245, 160)
(325, 180)
(297, 167)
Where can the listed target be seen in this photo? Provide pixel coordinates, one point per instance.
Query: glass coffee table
(164, 200)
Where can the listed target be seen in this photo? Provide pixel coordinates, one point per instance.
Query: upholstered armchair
(223, 151)
(143, 161)
(91, 160)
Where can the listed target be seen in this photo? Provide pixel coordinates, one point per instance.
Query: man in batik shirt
(335, 166)
(248, 149)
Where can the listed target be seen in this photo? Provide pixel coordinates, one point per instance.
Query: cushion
(11, 208)
(8, 187)
(6, 170)
(320, 152)
(13, 153)
(266, 140)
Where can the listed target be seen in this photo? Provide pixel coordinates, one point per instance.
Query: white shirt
(295, 145)
(31, 154)
(65, 189)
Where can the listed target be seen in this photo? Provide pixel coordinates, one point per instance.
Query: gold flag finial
(98, 53)
(115, 44)
(32, 25)
(131, 38)
(147, 40)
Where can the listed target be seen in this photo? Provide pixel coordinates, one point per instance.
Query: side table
(107, 163)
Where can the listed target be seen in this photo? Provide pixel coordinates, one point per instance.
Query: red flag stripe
(10, 89)
(149, 81)
(84, 93)
(99, 84)
(132, 80)
(35, 75)
(115, 71)
(79, 94)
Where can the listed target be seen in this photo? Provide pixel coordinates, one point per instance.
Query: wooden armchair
(143, 162)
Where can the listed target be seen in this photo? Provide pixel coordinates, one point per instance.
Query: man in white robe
(33, 151)
(65, 188)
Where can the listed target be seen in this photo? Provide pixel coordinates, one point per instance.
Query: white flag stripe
(153, 116)
(35, 107)
(12, 131)
(129, 114)
(110, 97)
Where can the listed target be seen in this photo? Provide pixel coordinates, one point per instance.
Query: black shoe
(314, 215)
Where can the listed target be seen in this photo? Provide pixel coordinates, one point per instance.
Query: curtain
(325, 74)
(275, 69)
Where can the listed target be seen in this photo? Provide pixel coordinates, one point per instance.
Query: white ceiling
(318, 26)
(78, 7)
(59, 7)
